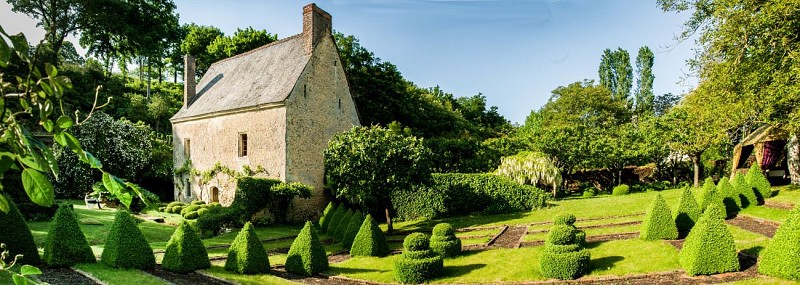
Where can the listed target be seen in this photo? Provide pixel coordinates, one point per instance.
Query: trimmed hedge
(444, 241)
(306, 255)
(709, 193)
(620, 190)
(352, 229)
(66, 245)
(564, 219)
(370, 240)
(688, 212)
(658, 222)
(336, 220)
(746, 194)
(782, 256)
(418, 263)
(756, 179)
(730, 198)
(125, 245)
(216, 219)
(458, 194)
(563, 256)
(19, 239)
(327, 214)
(709, 248)
(185, 251)
(246, 254)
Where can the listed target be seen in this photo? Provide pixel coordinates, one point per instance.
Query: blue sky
(513, 51)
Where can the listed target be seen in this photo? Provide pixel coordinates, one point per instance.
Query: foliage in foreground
(246, 254)
(709, 248)
(444, 241)
(658, 223)
(125, 245)
(19, 240)
(306, 255)
(564, 256)
(66, 245)
(418, 263)
(688, 212)
(370, 240)
(781, 257)
(185, 251)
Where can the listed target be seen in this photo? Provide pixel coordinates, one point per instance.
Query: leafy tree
(644, 82)
(616, 74)
(366, 164)
(196, 43)
(241, 41)
(532, 168)
(664, 102)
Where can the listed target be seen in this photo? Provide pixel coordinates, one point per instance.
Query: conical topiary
(370, 240)
(709, 248)
(782, 256)
(246, 254)
(418, 263)
(688, 212)
(352, 229)
(756, 179)
(306, 255)
(338, 235)
(336, 220)
(66, 245)
(125, 245)
(709, 191)
(16, 235)
(325, 220)
(185, 251)
(730, 198)
(444, 240)
(564, 256)
(658, 223)
(746, 194)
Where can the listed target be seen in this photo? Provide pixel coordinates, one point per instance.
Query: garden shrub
(589, 192)
(185, 251)
(306, 255)
(327, 214)
(564, 219)
(341, 230)
(563, 256)
(246, 254)
(746, 193)
(191, 215)
(457, 194)
(780, 258)
(688, 212)
(202, 211)
(623, 189)
(254, 194)
(125, 245)
(709, 248)
(370, 240)
(198, 202)
(352, 229)
(418, 263)
(19, 240)
(729, 198)
(177, 209)
(444, 241)
(216, 219)
(709, 193)
(658, 222)
(756, 179)
(66, 245)
(188, 209)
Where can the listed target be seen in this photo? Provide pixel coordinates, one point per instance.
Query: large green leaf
(38, 187)
(92, 161)
(113, 184)
(29, 270)
(6, 161)
(20, 45)
(5, 53)
(64, 122)
(3, 204)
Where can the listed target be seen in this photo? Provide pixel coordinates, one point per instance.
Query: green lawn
(766, 213)
(118, 276)
(787, 194)
(255, 279)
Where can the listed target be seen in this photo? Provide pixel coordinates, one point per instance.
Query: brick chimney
(316, 25)
(189, 84)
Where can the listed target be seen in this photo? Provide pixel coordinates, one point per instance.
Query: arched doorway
(214, 195)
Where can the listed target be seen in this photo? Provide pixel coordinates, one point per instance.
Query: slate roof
(261, 76)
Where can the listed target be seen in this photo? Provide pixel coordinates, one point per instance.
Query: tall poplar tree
(616, 74)
(644, 82)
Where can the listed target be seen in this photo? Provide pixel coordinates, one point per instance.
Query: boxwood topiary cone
(658, 223)
(755, 179)
(66, 245)
(730, 198)
(246, 254)
(782, 256)
(306, 255)
(709, 192)
(336, 220)
(185, 251)
(125, 245)
(370, 240)
(444, 241)
(746, 194)
(688, 212)
(418, 263)
(352, 229)
(325, 220)
(19, 240)
(563, 256)
(709, 248)
(341, 229)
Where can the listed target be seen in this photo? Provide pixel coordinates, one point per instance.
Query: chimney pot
(189, 82)
(316, 25)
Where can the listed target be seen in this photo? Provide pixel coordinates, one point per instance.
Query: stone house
(270, 110)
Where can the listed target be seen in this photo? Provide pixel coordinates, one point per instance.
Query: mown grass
(116, 276)
(590, 232)
(766, 213)
(747, 241)
(581, 224)
(787, 194)
(762, 280)
(255, 279)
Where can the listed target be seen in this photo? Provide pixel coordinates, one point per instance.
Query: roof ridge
(286, 39)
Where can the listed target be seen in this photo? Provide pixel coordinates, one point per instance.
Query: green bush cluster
(370, 240)
(327, 214)
(457, 194)
(246, 254)
(254, 194)
(125, 245)
(746, 193)
(756, 179)
(623, 189)
(352, 229)
(19, 240)
(306, 255)
(658, 222)
(185, 251)
(444, 241)
(688, 212)
(709, 193)
(190, 211)
(66, 245)
(340, 231)
(709, 248)
(418, 263)
(336, 220)
(782, 256)
(564, 256)
(730, 198)
(216, 219)
(589, 192)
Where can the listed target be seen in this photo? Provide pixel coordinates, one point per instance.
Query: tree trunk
(793, 156)
(159, 73)
(674, 170)
(696, 164)
(389, 227)
(619, 177)
(148, 80)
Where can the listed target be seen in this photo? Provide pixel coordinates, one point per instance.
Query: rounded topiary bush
(782, 256)
(191, 215)
(306, 255)
(623, 189)
(19, 240)
(563, 256)
(756, 179)
(589, 192)
(708, 194)
(709, 248)
(444, 241)
(327, 214)
(198, 202)
(177, 209)
(189, 209)
(125, 245)
(658, 222)
(688, 212)
(66, 245)
(564, 219)
(185, 251)
(370, 240)
(746, 193)
(352, 229)
(246, 254)
(418, 263)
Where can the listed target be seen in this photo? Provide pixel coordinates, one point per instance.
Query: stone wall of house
(319, 107)
(216, 139)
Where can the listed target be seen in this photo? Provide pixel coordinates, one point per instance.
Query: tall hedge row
(709, 248)
(782, 256)
(456, 194)
(66, 245)
(658, 222)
